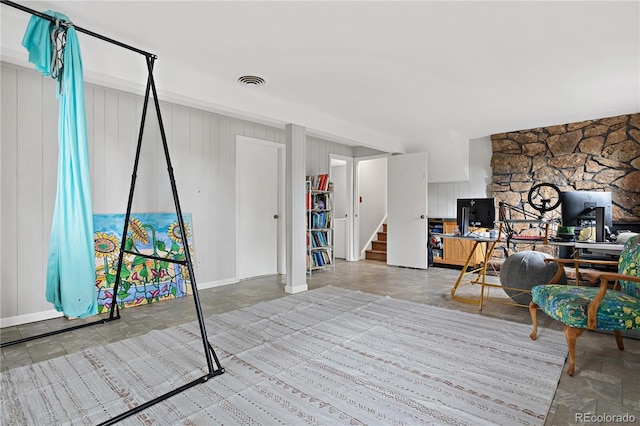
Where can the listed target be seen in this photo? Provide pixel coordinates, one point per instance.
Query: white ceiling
(397, 76)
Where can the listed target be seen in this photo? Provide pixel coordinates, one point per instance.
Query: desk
(603, 248)
(489, 245)
(608, 248)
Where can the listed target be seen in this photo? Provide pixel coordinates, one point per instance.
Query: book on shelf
(319, 220)
(324, 181)
(319, 239)
(319, 182)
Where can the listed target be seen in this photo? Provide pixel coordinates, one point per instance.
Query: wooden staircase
(379, 246)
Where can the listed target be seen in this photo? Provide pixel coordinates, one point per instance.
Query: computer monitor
(587, 208)
(475, 212)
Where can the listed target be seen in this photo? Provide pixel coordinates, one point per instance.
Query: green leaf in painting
(138, 260)
(174, 246)
(123, 294)
(111, 278)
(128, 244)
(161, 246)
(174, 291)
(124, 272)
(144, 272)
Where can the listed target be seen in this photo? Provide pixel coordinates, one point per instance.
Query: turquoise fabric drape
(71, 264)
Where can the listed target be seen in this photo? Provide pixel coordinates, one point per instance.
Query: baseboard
(27, 318)
(296, 289)
(219, 283)
(46, 315)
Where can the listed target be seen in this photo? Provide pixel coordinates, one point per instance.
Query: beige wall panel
(128, 129)
(9, 215)
(98, 150)
(194, 182)
(215, 256)
(108, 184)
(30, 245)
(318, 151)
(50, 105)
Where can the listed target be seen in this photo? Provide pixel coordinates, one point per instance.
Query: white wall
(480, 173)
(318, 150)
(448, 155)
(443, 196)
(372, 188)
(202, 149)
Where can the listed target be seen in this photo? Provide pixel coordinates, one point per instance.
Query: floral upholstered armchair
(614, 305)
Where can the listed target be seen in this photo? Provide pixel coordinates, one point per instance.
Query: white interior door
(340, 238)
(341, 175)
(407, 210)
(258, 206)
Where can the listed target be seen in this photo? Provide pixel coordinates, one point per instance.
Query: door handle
(421, 216)
(276, 216)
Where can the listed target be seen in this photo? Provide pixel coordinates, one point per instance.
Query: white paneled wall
(202, 149)
(318, 151)
(26, 157)
(443, 196)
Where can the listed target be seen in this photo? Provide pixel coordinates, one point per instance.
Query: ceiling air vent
(251, 80)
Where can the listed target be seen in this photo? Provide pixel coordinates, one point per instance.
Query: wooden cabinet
(454, 251)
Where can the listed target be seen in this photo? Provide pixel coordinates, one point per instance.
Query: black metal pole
(183, 233)
(134, 175)
(62, 330)
(154, 401)
(79, 29)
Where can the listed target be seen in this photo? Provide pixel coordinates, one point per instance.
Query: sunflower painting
(142, 280)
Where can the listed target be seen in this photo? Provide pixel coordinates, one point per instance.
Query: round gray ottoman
(524, 270)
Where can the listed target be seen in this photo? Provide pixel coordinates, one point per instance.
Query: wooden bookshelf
(319, 207)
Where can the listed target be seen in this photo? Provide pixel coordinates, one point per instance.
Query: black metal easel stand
(213, 364)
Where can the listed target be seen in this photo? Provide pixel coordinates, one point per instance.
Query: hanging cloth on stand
(71, 264)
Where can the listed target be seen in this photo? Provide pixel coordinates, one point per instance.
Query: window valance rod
(79, 29)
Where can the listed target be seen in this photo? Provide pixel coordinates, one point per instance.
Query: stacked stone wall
(594, 155)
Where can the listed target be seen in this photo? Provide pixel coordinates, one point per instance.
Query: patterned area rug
(323, 357)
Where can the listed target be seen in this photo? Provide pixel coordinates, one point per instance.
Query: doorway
(259, 207)
(341, 175)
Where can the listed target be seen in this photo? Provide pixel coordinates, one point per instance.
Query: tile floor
(607, 380)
